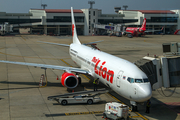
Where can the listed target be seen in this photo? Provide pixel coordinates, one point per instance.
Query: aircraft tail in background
(143, 27)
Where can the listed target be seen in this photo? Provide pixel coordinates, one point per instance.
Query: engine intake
(69, 80)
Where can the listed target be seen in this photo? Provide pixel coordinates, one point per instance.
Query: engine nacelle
(69, 80)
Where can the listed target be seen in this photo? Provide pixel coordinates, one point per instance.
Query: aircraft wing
(67, 69)
(154, 30)
(125, 32)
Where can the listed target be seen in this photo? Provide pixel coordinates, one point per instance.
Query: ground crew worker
(96, 81)
(148, 104)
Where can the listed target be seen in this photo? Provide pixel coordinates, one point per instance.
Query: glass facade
(130, 20)
(163, 19)
(19, 21)
(65, 19)
(116, 21)
(107, 21)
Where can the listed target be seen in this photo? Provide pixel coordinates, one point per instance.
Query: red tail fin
(144, 24)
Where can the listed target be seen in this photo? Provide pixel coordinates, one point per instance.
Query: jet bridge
(163, 71)
(111, 29)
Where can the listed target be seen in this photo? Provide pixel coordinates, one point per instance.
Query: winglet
(74, 33)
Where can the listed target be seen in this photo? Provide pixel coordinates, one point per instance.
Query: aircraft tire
(64, 102)
(90, 101)
(129, 36)
(132, 108)
(104, 115)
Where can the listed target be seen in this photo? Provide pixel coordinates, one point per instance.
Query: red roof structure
(156, 11)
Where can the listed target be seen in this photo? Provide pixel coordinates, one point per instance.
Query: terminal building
(58, 21)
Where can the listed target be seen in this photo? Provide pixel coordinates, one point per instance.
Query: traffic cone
(57, 78)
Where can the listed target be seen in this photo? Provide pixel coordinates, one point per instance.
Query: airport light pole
(44, 6)
(91, 3)
(125, 7)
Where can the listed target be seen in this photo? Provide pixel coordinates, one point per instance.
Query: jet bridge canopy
(149, 69)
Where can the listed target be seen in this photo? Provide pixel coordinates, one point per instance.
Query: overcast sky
(107, 6)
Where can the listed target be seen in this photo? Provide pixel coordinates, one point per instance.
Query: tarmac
(21, 98)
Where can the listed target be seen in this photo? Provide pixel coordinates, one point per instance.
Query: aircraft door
(119, 77)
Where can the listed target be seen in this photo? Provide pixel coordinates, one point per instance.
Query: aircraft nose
(144, 92)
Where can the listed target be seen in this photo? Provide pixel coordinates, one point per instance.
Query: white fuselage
(120, 75)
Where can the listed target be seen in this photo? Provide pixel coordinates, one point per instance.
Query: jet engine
(69, 80)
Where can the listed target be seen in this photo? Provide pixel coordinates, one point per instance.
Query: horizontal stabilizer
(66, 45)
(91, 43)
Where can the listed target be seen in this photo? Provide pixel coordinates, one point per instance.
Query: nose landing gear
(133, 106)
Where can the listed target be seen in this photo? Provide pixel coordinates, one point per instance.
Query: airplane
(122, 76)
(137, 31)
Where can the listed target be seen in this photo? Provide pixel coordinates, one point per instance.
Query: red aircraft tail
(143, 27)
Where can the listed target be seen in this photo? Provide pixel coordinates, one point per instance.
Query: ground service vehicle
(79, 99)
(116, 111)
(88, 97)
(5, 28)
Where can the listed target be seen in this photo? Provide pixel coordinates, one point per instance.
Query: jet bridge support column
(165, 72)
(45, 29)
(58, 32)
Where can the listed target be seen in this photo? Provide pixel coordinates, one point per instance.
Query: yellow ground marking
(116, 98)
(82, 113)
(23, 37)
(141, 116)
(66, 62)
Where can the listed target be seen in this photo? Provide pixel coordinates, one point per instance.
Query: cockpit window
(146, 80)
(131, 80)
(138, 80)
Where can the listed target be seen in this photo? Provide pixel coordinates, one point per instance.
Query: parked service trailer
(79, 99)
(88, 97)
(116, 111)
(5, 28)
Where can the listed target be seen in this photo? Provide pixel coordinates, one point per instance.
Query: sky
(107, 6)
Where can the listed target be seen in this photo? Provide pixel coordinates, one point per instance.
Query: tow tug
(88, 97)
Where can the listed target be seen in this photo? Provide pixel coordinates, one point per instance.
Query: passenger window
(138, 80)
